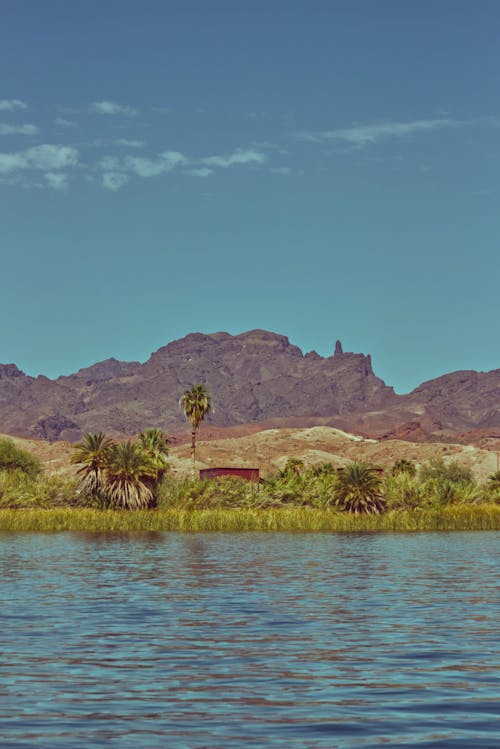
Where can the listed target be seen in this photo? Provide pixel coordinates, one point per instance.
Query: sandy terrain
(270, 449)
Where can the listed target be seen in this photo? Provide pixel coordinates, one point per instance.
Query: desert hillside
(270, 449)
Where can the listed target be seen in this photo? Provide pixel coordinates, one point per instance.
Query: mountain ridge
(255, 376)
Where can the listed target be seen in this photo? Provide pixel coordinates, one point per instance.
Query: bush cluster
(135, 475)
(357, 489)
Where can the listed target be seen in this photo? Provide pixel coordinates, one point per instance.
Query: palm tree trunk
(193, 449)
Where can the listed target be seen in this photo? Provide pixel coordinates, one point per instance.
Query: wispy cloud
(114, 180)
(112, 107)
(18, 129)
(163, 163)
(237, 157)
(203, 171)
(116, 170)
(127, 143)
(57, 180)
(62, 122)
(9, 105)
(362, 135)
(284, 171)
(45, 157)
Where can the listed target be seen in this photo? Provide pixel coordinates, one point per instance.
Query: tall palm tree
(197, 404)
(358, 489)
(127, 474)
(92, 453)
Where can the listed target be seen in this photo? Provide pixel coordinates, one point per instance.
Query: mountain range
(255, 378)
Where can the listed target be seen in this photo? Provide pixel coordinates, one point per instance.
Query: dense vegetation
(134, 475)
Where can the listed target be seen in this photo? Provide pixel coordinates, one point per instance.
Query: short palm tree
(404, 466)
(197, 404)
(494, 481)
(293, 466)
(358, 489)
(92, 453)
(127, 474)
(155, 444)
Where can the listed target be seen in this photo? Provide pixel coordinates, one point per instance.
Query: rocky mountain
(254, 377)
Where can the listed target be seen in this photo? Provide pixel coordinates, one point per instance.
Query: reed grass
(452, 518)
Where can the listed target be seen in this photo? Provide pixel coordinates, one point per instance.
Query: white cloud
(111, 107)
(237, 157)
(203, 171)
(284, 171)
(114, 180)
(44, 157)
(8, 105)
(116, 170)
(110, 164)
(52, 157)
(362, 135)
(18, 129)
(126, 143)
(62, 122)
(57, 180)
(163, 163)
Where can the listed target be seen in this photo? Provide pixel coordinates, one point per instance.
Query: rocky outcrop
(253, 377)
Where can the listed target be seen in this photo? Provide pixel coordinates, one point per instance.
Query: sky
(325, 169)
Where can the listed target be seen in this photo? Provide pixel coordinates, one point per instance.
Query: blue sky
(322, 169)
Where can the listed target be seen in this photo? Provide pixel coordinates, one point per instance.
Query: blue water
(249, 640)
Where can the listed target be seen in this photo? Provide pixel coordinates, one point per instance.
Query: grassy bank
(453, 518)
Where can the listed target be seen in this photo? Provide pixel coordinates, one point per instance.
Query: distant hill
(256, 377)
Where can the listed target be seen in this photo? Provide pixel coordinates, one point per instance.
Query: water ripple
(211, 641)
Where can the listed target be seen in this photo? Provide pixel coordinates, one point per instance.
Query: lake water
(208, 641)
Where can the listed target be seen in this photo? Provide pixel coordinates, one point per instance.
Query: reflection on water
(249, 640)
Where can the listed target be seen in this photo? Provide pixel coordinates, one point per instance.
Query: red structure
(249, 474)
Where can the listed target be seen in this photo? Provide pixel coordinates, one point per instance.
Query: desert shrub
(404, 466)
(312, 488)
(13, 458)
(438, 492)
(292, 466)
(279, 490)
(17, 489)
(493, 484)
(323, 469)
(436, 468)
(225, 491)
(402, 491)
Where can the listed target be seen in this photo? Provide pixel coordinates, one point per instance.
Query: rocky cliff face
(463, 400)
(253, 377)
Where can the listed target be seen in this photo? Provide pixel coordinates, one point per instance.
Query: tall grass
(452, 518)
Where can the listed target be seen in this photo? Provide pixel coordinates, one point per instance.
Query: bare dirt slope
(270, 449)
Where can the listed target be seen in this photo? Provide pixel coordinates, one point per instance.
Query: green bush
(13, 458)
(226, 491)
(402, 491)
(17, 489)
(452, 471)
(404, 466)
